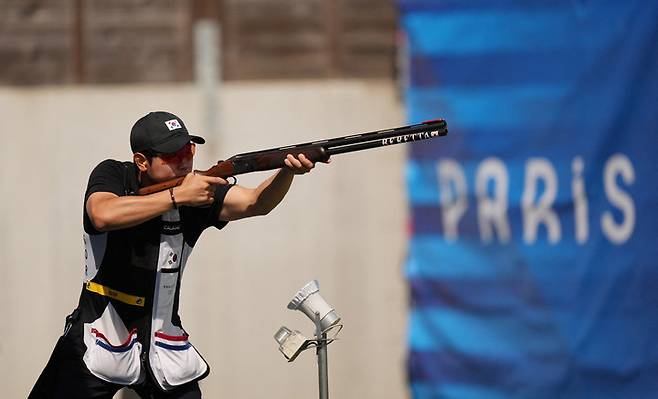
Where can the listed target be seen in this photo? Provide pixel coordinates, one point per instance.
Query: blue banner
(533, 261)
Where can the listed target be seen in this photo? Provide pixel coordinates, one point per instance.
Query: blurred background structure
(77, 74)
(137, 41)
(525, 240)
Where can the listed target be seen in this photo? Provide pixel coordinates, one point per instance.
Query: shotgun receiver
(316, 151)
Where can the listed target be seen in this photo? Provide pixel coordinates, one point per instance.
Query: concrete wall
(343, 224)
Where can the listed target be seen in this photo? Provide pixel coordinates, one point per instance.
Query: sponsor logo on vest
(170, 228)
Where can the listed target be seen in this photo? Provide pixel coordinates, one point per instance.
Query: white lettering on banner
(492, 211)
(452, 186)
(581, 209)
(536, 203)
(538, 212)
(618, 164)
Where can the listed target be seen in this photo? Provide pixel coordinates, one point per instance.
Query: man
(126, 330)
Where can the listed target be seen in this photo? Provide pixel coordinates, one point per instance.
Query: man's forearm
(110, 212)
(272, 191)
(123, 212)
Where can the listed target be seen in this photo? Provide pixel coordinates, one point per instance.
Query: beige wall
(344, 224)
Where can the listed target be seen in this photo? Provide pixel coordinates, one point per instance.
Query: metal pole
(79, 54)
(207, 72)
(323, 373)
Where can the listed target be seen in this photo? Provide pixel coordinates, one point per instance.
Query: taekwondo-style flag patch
(173, 124)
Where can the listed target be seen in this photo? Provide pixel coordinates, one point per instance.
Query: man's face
(168, 166)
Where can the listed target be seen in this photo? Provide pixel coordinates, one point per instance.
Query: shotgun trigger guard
(234, 182)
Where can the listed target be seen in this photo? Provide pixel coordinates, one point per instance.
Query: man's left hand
(299, 165)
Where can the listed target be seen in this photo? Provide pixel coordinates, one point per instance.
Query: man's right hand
(197, 190)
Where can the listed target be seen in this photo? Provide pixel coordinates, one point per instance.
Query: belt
(114, 294)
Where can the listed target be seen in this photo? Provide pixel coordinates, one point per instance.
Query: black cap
(160, 132)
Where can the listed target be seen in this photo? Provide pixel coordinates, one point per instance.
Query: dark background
(130, 41)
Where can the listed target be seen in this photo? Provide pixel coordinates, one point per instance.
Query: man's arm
(108, 211)
(241, 202)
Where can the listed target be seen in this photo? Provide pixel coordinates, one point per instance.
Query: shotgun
(316, 151)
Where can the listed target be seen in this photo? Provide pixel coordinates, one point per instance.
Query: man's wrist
(288, 171)
(179, 196)
(172, 196)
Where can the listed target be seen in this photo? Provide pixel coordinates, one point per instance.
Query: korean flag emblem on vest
(173, 124)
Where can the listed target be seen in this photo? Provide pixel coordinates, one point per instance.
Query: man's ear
(141, 162)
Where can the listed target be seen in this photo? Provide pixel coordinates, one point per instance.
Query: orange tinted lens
(179, 156)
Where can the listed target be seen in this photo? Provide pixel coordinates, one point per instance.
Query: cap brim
(176, 143)
(197, 139)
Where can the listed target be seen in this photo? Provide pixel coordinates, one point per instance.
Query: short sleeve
(216, 207)
(208, 216)
(108, 176)
(197, 219)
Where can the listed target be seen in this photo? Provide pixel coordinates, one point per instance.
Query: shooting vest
(127, 316)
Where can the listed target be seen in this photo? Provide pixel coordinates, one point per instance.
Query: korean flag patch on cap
(173, 124)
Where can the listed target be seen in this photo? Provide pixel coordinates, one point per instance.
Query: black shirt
(135, 273)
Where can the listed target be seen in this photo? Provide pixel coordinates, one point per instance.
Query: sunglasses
(179, 156)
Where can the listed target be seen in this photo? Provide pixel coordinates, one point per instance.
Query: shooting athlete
(126, 330)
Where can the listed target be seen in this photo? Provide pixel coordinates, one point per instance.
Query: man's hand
(197, 190)
(300, 165)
